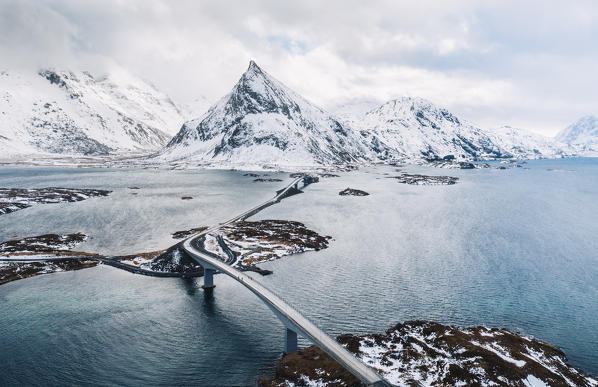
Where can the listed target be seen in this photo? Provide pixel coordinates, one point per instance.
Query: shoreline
(422, 351)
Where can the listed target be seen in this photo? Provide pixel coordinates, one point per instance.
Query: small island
(14, 199)
(249, 243)
(417, 179)
(423, 351)
(49, 253)
(353, 192)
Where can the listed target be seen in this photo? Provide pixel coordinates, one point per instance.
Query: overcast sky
(530, 64)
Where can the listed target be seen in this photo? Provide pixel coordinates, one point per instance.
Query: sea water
(512, 248)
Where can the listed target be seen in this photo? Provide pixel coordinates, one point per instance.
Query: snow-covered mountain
(523, 144)
(583, 135)
(354, 109)
(196, 108)
(413, 128)
(261, 121)
(76, 113)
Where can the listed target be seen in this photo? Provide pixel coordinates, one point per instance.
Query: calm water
(506, 248)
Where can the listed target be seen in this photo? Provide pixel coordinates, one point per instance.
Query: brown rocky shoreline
(251, 242)
(428, 353)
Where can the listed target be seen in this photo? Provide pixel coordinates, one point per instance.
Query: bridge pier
(208, 279)
(290, 341)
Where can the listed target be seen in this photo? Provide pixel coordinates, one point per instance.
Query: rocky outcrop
(14, 199)
(417, 179)
(353, 192)
(419, 352)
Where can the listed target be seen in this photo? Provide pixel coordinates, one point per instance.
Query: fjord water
(513, 248)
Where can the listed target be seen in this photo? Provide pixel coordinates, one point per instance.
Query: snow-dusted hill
(413, 128)
(583, 135)
(523, 144)
(353, 110)
(261, 121)
(76, 113)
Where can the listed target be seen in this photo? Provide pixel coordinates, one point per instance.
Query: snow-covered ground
(14, 199)
(27, 257)
(430, 354)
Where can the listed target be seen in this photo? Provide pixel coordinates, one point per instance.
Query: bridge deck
(287, 314)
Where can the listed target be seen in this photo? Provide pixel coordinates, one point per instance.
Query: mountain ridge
(582, 135)
(259, 122)
(68, 112)
(263, 121)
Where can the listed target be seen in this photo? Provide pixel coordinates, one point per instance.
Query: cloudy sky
(531, 64)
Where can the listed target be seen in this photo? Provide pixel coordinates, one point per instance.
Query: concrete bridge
(294, 322)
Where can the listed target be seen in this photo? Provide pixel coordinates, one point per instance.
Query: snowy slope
(75, 113)
(354, 109)
(413, 128)
(523, 144)
(191, 110)
(583, 135)
(261, 121)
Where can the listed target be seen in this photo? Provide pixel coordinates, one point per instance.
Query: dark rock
(353, 192)
(416, 179)
(42, 244)
(14, 199)
(464, 165)
(186, 233)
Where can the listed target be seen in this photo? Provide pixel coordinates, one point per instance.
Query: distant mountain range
(77, 113)
(583, 135)
(260, 122)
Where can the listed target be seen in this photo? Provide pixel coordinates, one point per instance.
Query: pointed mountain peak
(253, 66)
(258, 91)
(253, 69)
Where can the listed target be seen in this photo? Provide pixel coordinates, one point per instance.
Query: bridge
(294, 322)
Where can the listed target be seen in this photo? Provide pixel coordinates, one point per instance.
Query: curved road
(289, 316)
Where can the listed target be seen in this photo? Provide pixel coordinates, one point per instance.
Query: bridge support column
(290, 341)
(208, 279)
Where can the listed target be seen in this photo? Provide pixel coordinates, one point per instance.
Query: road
(289, 316)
